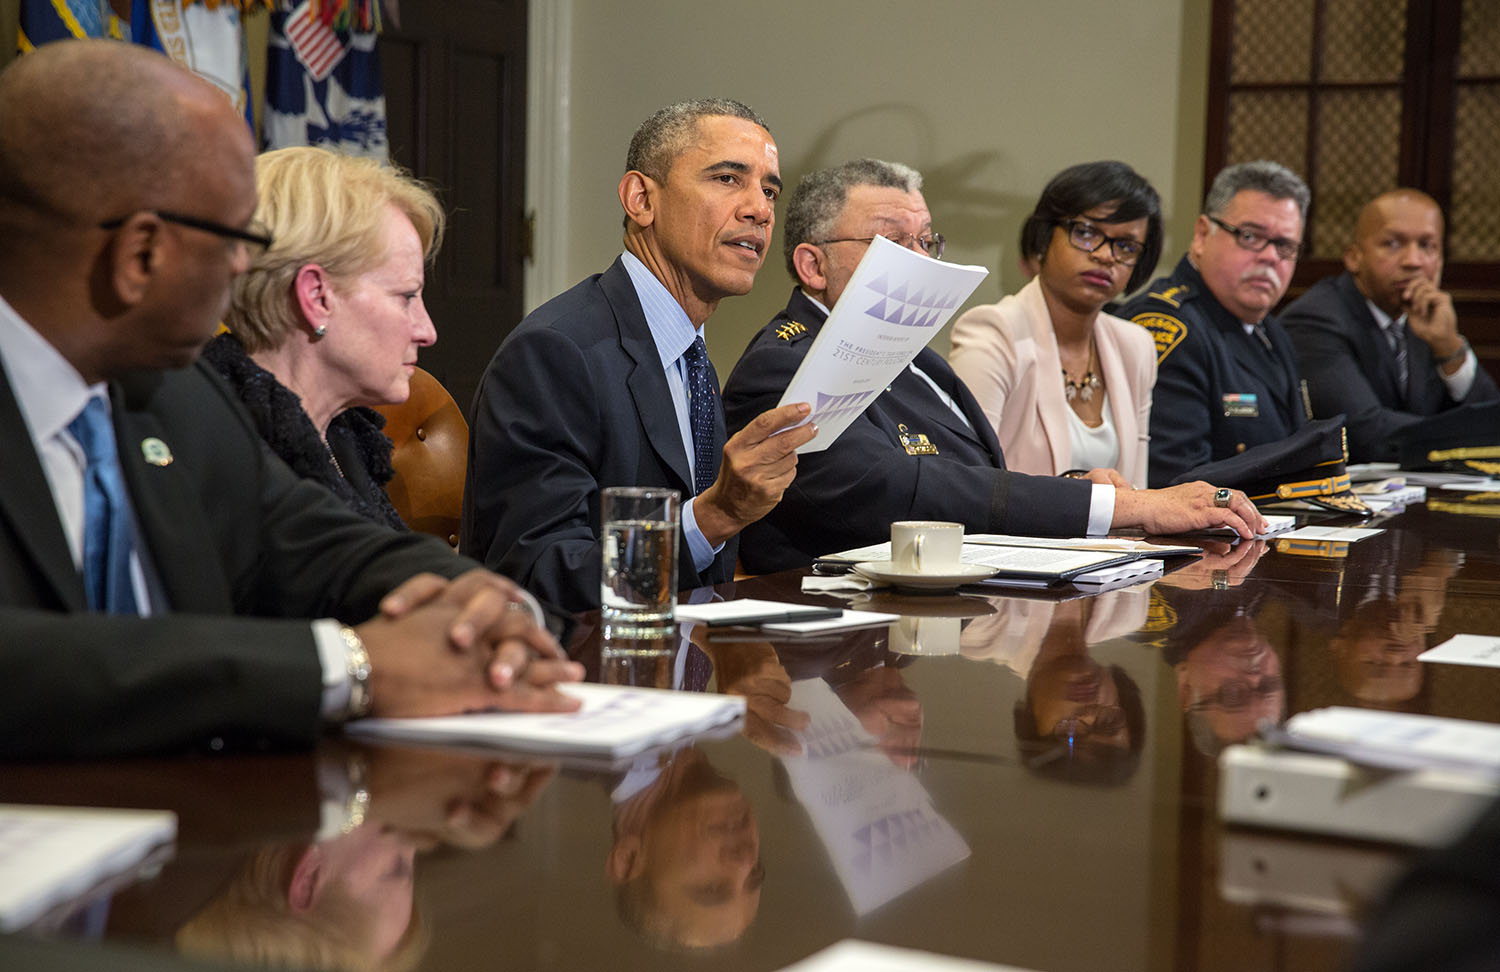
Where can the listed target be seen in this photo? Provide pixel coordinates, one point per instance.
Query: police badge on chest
(915, 443)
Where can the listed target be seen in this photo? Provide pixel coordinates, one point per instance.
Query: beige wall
(989, 98)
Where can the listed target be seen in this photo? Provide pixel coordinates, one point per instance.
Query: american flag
(315, 43)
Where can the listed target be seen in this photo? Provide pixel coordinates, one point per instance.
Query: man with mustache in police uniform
(1226, 371)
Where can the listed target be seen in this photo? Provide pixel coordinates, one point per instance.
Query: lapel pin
(155, 451)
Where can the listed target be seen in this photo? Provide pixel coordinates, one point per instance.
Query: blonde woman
(329, 319)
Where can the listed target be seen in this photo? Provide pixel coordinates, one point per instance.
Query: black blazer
(1350, 368)
(574, 400)
(241, 547)
(849, 494)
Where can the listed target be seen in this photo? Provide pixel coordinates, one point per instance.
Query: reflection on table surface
(1022, 778)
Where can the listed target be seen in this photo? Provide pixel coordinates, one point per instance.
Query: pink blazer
(1007, 354)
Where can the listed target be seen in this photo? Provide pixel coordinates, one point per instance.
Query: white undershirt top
(1093, 448)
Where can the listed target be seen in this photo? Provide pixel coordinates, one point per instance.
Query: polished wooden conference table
(1024, 779)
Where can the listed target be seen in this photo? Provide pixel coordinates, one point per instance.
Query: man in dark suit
(154, 558)
(923, 449)
(1226, 378)
(597, 387)
(1380, 342)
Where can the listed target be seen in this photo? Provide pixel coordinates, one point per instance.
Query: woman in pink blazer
(1067, 386)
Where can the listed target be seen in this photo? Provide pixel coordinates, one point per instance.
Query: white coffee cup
(925, 635)
(926, 546)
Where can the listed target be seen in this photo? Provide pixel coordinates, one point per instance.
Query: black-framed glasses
(1255, 241)
(932, 244)
(255, 239)
(1087, 237)
(1236, 694)
(1091, 720)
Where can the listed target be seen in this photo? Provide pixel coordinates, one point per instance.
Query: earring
(319, 332)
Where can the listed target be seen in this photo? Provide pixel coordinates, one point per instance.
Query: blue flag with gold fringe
(44, 21)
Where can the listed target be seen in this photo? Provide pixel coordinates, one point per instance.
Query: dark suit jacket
(241, 546)
(1350, 368)
(1219, 391)
(574, 400)
(849, 494)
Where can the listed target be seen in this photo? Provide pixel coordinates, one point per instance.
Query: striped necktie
(108, 537)
(1396, 334)
(701, 415)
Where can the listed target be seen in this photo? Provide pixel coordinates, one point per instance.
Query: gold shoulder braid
(790, 330)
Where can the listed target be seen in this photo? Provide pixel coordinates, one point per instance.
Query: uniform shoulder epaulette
(790, 330)
(1174, 295)
(1167, 331)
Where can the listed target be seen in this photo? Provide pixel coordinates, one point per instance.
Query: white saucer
(888, 573)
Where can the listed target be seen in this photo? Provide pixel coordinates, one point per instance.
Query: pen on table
(778, 617)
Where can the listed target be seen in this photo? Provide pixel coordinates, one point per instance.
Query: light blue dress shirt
(673, 333)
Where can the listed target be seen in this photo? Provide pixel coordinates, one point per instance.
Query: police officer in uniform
(1226, 371)
(923, 449)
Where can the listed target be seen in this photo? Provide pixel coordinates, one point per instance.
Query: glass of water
(638, 581)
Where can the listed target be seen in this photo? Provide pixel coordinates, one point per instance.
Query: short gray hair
(819, 198)
(1271, 178)
(664, 136)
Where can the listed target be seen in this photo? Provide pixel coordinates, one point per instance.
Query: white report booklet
(894, 304)
(50, 856)
(614, 721)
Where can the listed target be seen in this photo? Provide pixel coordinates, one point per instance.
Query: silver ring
(1222, 496)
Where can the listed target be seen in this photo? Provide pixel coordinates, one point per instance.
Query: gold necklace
(1085, 387)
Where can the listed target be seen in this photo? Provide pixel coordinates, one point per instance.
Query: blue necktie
(107, 539)
(701, 415)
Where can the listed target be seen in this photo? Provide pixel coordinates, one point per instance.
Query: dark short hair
(664, 136)
(820, 196)
(1262, 175)
(1079, 188)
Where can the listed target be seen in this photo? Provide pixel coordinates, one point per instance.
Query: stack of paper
(615, 721)
(51, 856)
(1390, 776)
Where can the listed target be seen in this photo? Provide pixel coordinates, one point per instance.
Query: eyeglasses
(932, 244)
(1249, 239)
(1236, 694)
(255, 239)
(1091, 720)
(1088, 238)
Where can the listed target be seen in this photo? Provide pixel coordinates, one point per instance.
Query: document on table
(50, 856)
(979, 546)
(852, 955)
(752, 611)
(1466, 649)
(615, 721)
(894, 304)
(1346, 534)
(1395, 740)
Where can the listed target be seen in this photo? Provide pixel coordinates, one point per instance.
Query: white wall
(988, 98)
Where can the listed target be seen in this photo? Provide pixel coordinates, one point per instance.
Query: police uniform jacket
(1350, 368)
(1219, 391)
(908, 456)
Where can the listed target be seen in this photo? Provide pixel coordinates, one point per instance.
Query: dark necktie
(696, 669)
(700, 385)
(1397, 335)
(107, 531)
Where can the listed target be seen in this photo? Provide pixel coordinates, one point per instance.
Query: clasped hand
(441, 646)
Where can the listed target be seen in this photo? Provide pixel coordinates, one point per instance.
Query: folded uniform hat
(1310, 465)
(1464, 439)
